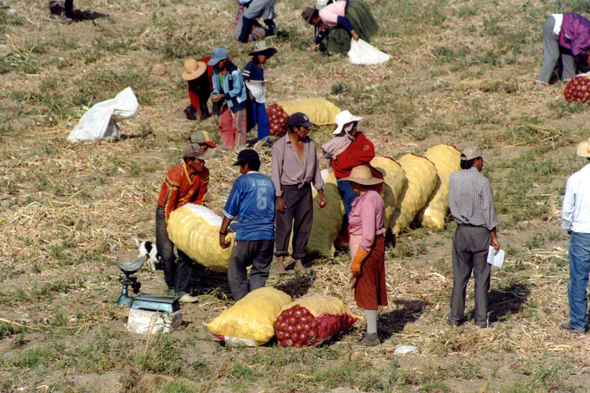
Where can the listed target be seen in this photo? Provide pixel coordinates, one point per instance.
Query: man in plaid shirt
(472, 207)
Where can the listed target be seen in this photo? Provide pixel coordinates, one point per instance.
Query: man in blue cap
(252, 199)
(230, 90)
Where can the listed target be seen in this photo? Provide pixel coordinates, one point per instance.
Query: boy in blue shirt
(252, 199)
(254, 78)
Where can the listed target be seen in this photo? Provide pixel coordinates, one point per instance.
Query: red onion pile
(277, 118)
(296, 327)
(578, 89)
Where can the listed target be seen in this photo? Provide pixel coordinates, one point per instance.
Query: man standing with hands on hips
(575, 218)
(472, 207)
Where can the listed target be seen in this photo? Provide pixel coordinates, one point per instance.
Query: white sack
(99, 121)
(363, 53)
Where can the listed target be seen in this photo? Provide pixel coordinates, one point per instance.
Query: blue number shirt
(252, 200)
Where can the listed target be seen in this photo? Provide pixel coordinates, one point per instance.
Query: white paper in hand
(495, 259)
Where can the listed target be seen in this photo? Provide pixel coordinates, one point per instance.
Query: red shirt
(200, 88)
(179, 188)
(353, 156)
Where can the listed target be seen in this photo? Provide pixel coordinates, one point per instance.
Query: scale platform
(146, 301)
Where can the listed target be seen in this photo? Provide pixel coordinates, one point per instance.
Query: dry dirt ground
(461, 73)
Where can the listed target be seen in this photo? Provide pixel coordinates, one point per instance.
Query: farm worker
(252, 199)
(202, 139)
(254, 78)
(575, 218)
(566, 36)
(229, 89)
(367, 249)
(254, 9)
(348, 148)
(185, 183)
(198, 76)
(295, 167)
(472, 207)
(342, 20)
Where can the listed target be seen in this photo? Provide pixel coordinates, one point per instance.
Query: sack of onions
(578, 89)
(311, 320)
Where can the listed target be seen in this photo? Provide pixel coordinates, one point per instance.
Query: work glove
(359, 257)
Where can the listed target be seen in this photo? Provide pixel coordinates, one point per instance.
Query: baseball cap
(470, 153)
(193, 150)
(299, 119)
(217, 55)
(202, 137)
(247, 155)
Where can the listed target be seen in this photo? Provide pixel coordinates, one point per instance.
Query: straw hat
(362, 175)
(262, 47)
(193, 69)
(583, 149)
(343, 118)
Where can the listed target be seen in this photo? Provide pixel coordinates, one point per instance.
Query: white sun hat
(343, 118)
(583, 149)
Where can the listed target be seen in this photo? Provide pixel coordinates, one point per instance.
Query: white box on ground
(495, 259)
(151, 322)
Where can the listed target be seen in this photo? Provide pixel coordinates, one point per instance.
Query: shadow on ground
(395, 321)
(507, 300)
(296, 287)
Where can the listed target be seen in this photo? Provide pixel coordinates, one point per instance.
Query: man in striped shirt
(185, 183)
(472, 207)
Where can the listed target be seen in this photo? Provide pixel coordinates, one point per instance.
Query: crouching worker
(252, 199)
(367, 249)
(185, 183)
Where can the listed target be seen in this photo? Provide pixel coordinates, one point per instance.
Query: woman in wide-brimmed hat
(348, 148)
(367, 248)
(342, 20)
(199, 88)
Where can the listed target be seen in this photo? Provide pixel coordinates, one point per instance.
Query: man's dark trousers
(176, 275)
(470, 251)
(257, 253)
(299, 204)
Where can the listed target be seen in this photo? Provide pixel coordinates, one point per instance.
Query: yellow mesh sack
(447, 160)
(194, 229)
(250, 321)
(319, 111)
(326, 221)
(422, 178)
(395, 180)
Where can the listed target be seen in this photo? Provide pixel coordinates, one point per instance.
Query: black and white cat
(149, 252)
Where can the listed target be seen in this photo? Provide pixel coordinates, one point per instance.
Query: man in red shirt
(185, 183)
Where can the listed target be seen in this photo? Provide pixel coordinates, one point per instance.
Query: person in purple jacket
(566, 36)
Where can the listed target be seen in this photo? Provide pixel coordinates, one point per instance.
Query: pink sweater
(329, 15)
(366, 218)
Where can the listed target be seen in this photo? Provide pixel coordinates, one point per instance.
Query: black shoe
(451, 323)
(566, 326)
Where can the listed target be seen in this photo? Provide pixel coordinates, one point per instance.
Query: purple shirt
(366, 218)
(575, 33)
(287, 168)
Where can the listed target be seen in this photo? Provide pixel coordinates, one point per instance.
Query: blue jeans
(260, 118)
(347, 195)
(579, 256)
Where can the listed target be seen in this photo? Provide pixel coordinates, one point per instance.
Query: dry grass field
(461, 73)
